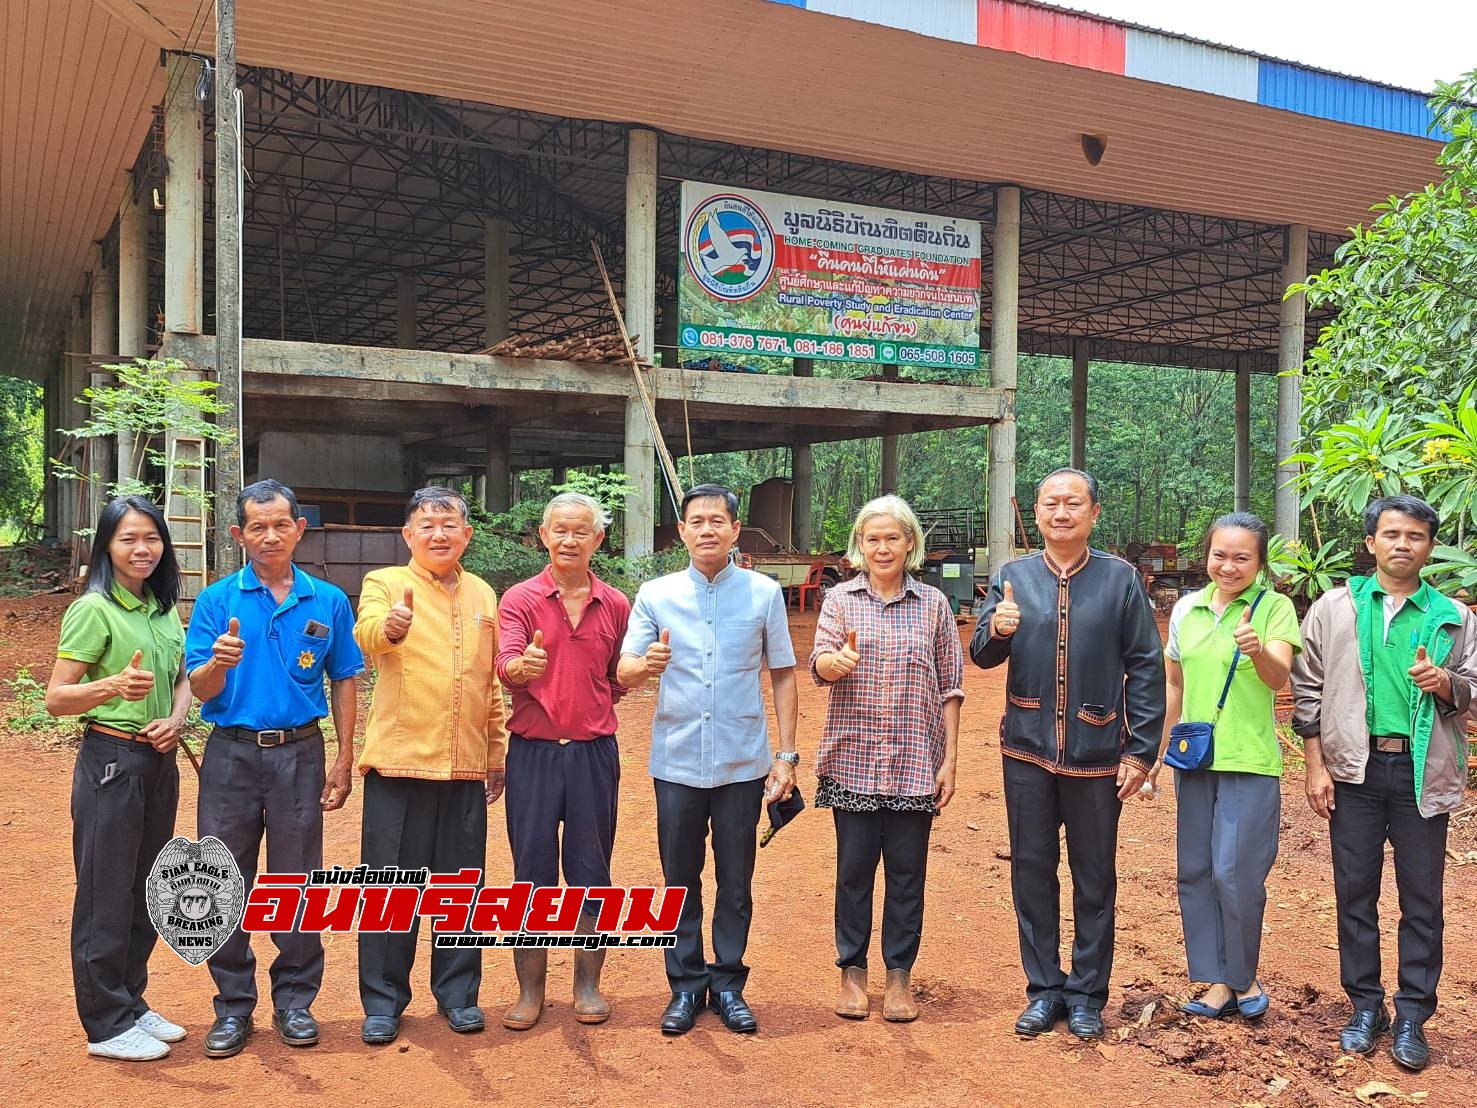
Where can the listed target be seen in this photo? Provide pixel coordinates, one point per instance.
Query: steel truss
(352, 186)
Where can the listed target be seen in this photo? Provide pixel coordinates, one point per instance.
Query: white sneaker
(131, 1046)
(152, 1023)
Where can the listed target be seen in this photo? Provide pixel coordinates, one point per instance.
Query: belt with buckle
(1390, 744)
(277, 737)
(116, 733)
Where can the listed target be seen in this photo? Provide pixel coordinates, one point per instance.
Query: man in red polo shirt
(559, 639)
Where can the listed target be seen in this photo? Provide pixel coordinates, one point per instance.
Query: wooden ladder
(184, 509)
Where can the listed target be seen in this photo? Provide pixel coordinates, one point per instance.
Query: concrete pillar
(887, 465)
(133, 296)
(1242, 471)
(559, 475)
(1004, 303)
(184, 197)
(1081, 351)
(1289, 381)
(802, 474)
(499, 487)
(640, 467)
(405, 309)
(227, 208)
(102, 343)
(640, 312)
(497, 278)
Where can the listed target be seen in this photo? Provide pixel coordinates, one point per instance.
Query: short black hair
(264, 492)
(164, 582)
(1411, 506)
(1245, 521)
(1067, 471)
(711, 492)
(437, 496)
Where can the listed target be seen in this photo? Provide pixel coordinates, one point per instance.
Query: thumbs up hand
(1429, 678)
(132, 682)
(659, 653)
(845, 660)
(1246, 638)
(535, 659)
(1007, 615)
(397, 622)
(226, 650)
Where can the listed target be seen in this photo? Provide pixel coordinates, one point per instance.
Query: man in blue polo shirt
(259, 644)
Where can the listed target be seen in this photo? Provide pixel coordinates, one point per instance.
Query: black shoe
(1085, 1022)
(227, 1036)
(1363, 1030)
(1409, 1046)
(380, 1029)
(733, 1011)
(1039, 1017)
(296, 1026)
(463, 1020)
(681, 1014)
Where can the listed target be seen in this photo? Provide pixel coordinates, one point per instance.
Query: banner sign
(791, 277)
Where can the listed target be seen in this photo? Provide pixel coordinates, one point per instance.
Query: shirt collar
(127, 601)
(1420, 598)
(1075, 568)
(700, 578)
(550, 588)
(863, 583)
(425, 574)
(302, 584)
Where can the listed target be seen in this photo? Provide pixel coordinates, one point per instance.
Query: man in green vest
(1383, 692)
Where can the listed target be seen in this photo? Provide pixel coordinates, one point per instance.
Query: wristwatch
(791, 756)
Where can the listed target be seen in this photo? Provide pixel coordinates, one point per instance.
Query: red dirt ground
(968, 977)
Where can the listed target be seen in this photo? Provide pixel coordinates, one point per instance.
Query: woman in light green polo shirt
(120, 666)
(1228, 814)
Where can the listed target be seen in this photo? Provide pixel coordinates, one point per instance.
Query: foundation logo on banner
(196, 896)
(730, 247)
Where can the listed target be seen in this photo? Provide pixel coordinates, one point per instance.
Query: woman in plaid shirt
(887, 646)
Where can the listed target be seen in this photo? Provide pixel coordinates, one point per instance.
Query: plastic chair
(812, 583)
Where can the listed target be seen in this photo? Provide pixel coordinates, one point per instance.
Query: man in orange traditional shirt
(433, 748)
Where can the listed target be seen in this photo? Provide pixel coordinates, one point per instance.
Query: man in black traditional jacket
(1083, 719)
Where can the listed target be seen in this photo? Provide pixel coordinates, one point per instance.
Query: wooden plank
(374, 372)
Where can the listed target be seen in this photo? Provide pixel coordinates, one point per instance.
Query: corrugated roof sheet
(1052, 35)
(1343, 99)
(954, 20)
(1192, 65)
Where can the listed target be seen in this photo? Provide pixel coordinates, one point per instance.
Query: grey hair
(897, 508)
(577, 500)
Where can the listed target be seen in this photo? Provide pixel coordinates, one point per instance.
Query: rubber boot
(589, 1005)
(897, 1003)
(854, 1004)
(532, 967)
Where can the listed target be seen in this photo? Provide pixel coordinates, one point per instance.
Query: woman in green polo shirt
(120, 666)
(1228, 813)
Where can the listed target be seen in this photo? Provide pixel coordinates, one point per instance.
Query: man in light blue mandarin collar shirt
(707, 632)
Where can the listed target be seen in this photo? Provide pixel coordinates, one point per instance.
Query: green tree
(1389, 390)
(21, 452)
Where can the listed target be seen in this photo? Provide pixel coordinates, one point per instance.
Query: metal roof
(831, 107)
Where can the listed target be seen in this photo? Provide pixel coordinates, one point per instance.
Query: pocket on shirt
(740, 643)
(306, 657)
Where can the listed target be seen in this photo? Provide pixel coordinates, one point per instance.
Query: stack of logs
(587, 348)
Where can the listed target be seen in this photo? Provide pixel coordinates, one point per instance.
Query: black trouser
(410, 823)
(118, 830)
(1037, 804)
(247, 791)
(900, 841)
(683, 816)
(1364, 817)
(576, 784)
